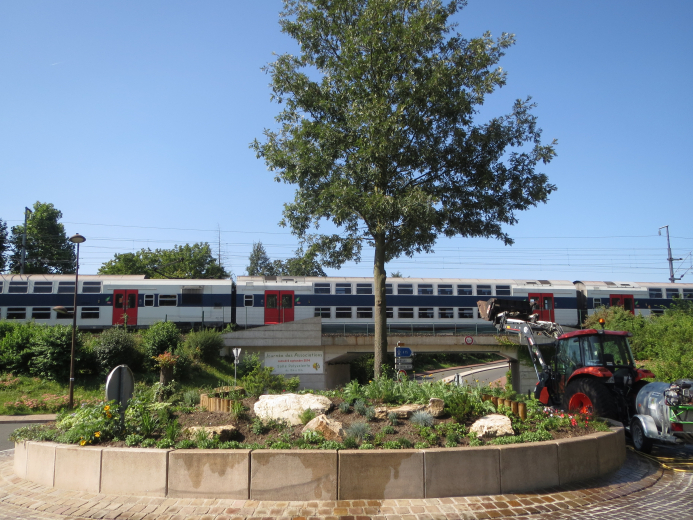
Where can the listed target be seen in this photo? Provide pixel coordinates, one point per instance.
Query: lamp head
(77, 239)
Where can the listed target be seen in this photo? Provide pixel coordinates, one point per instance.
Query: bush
(358, 430)
(422, 418)
(344, 407)
(460, 406)
(306, 416)
(50, 352)
(205, 344)
(161, 337)
(114, 347)
(15, 345)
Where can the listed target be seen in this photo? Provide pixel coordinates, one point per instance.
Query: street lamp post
(75, 239)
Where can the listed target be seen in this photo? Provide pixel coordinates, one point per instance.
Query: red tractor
(590, 370)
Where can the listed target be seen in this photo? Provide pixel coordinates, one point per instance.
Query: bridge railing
(409, 329)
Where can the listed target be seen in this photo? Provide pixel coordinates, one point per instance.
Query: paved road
(485, 374)
(5, 430)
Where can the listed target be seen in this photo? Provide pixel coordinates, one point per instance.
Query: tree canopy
(3, 244)
(303, 264)
(48, 249)
(380, 133)
(188, 261)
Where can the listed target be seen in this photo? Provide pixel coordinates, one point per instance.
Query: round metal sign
(120, 385)
(468, 340)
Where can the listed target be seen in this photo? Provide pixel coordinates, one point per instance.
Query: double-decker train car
(345, 304)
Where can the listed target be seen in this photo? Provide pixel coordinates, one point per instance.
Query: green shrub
(133, 440)
(360, 407)
(114, 347)
(405, 443)
(90, 424)
(205, 344)
(460, 406)
(50, 351)
(312, 437)
(393, 419)
(422, 418)
(388, 430)
(306, 416)
(191, 398)
(257, 426)
(15, 345)
(366, 446)
(161, 337)
(35, 432)
(350, 443)
(185, 444)
(392, 445)
(370, 413)
(331, 445)
(280, 445)
(358, 430)
(148, 443)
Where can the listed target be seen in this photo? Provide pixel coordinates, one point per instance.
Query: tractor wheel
(588, 395)
(640, 442)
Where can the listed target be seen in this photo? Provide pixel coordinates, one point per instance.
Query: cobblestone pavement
(640, 489)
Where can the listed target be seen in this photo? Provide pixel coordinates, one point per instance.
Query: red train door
(623, 300)
(124, 304)
(543, 305)
(279, 307)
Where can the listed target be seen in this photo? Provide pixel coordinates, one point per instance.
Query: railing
(409, 329)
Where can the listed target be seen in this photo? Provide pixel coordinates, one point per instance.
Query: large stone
(288, 407)
(225, 433)
(403, 412)
(330, 430)
(436, 407)
(493, 425)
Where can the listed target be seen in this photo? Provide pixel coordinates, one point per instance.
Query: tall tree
(188, 261)
(259, 264)
(3, 245)
(380, 132)
(48, 250)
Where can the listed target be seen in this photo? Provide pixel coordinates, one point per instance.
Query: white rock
(403, 412)
(330, 430)
(225, 432)
(436, 407)
(288, 407)
(493, 425)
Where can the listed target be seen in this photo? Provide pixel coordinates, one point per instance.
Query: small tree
(381, 134)
(259, 264)
(3, 245)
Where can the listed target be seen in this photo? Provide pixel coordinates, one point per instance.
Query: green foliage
(48, 249)
(344, 407)
(3, 247)
(312, 437)
(393, 419)
(133, 440)
(205, 344)
(388, 430)
(188, 261)
(422, 418)
(16, 340)
(350, 443)
(306, 416)
(115, 346)
(303, 264)
(257, 426)
(34, 432)
(50, 350)
(161, 337)
(331, 445)
(366, 446)
(185, 444)
(360, 407)
(148, 443)
(258, 380)
(90, 424)
(353, 391)
(191, 398)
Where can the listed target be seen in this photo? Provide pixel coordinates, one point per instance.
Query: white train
(344, 303)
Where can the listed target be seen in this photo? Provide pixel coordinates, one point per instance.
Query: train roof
(52, 277)
(607, 285)
(245, 280)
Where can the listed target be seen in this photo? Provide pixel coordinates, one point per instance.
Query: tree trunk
(379, 277)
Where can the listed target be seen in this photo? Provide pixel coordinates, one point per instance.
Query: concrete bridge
(321, 361)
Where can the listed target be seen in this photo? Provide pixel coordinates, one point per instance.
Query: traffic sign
(404, 360)
(468, 340)
(406, 366)
(402, 352)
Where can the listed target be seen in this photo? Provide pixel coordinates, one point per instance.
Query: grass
(30, 395)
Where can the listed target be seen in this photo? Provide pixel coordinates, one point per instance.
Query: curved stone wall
(321, 474)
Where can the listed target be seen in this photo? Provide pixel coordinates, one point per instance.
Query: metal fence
(409, 329)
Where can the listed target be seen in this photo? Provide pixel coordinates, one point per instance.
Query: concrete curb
(5, 419)
(323, 474)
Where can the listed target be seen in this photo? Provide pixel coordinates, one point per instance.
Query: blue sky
(134, 119)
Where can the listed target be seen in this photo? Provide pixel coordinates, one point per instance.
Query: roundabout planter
(321, 474)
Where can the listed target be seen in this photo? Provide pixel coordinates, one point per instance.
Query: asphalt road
(485, 375)
(5, 430)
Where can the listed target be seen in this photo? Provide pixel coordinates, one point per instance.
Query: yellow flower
(109, 415)
(82, 442)
(97, 434)
(106, 408)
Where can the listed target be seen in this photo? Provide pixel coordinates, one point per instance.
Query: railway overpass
(322, 360)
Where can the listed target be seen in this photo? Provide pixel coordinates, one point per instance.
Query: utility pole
(671, 260)
(22, 263)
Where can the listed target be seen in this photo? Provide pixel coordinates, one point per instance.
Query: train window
(445, 290)
(191, 296)
(271, 301)
(446, 313)
(66, 287)
(364, 312)
(656, 312)
(16, 313)
(405, 288)
(464, 290)
(502, 290)
(672, 293)
(321, 288)
(18, 287)
(465, 313)
(287, 301)
(388, 312)
(364, 288)
(483, 290)
(248, 300)
(41, 313)
(655, 293)
(1, 286)
(688, 294)
(67, 315)
(342, 312)
(90, 313)
(149, 300)
(426, 313)
(597, 302)
(168, 300)
(342, 288)
(425, 288)
(91, 287)
(43, 287)
(323, 312)
(388, 288)
(405, 313)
